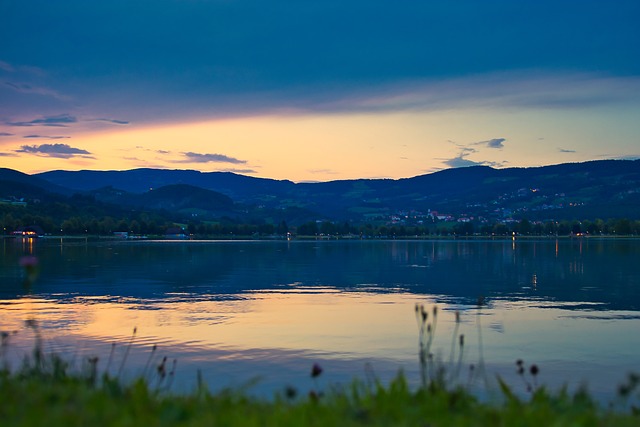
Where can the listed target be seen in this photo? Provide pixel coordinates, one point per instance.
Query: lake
(259, 314)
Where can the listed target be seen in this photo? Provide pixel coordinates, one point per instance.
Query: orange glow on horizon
(331, 147)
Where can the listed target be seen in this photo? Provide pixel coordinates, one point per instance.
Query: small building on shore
(28, 231)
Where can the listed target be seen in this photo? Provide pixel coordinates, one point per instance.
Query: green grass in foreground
(40, 399)
(45, 392)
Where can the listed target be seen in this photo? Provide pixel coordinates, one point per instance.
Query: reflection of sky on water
(237, 310)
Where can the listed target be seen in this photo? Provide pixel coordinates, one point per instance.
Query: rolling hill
(574, 190)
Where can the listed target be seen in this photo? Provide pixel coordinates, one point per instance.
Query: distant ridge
(600, 188)
(22, 183)
(145, 179)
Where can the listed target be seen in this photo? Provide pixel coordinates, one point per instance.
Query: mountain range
(589, 190)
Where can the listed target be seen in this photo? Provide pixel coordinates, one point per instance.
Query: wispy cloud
(36, 90)
(564, 150)
(241, 171)
(515, 89)
(62, 120)
(63, 151)
(5, 134)
(208, 158)
(46, 137)
(114, 121)
(5, 66)
(8, 154)
(25, 69)
(323, 171)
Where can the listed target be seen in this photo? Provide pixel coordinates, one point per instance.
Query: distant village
(507, 214)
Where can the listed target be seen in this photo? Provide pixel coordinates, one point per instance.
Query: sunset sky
(317, 90)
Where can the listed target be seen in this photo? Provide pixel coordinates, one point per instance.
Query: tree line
(67, 220)
(70, 220)
(524, 227)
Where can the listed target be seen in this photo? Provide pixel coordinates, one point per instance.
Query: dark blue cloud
(46, 137)
(54, 150)
(492, 143)
(234, 56)
(114, 121)
(36, 90)
(461, 161)
(62, 120)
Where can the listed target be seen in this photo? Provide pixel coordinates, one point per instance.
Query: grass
(45, 390)
(35, 400)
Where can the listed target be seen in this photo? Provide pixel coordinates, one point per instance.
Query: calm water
(240, 311)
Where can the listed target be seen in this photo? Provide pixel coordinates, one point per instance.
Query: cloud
(8, 155)
(564, 150)
(461, 161)
(241, 171)
(163, 152)
(387, 60)
(207, 158)
(7, 67)
(322, 171)
(63, 151)
(62, 120)
(5, 134)
(114, 121)
(495, 90)
(46, 137)
(492, 143)
(36, 90)
(24, 69)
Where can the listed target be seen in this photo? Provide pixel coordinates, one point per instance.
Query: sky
(317, 91)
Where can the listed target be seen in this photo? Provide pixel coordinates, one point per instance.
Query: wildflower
(316, 370)
(534, 370)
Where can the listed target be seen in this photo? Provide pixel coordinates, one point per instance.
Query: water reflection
(236, 307)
